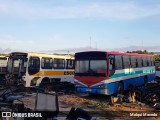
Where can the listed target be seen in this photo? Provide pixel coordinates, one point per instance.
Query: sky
(41, 25)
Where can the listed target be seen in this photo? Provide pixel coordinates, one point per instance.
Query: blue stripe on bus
(113, 87)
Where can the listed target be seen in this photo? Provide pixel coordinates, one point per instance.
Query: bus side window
(139, 61)
(70, 64)
(111, 64)
(46, 63)
(136, 63)
(144, 61)
(126, 62)
(59, 63)
(148, 61)
(118, 62)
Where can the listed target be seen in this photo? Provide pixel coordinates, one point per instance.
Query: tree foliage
(157, 57)
(139, 51)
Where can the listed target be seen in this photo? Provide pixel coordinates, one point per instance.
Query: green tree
(139, 51)
(157, 57)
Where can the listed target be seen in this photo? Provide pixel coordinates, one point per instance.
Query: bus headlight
(77, 85)
(103, 87)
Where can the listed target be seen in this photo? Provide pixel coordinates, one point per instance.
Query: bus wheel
(120, 88)
(145, 80)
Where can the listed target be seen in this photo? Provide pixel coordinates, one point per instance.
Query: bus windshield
(91, 67)
(16, 66)
(33, 65)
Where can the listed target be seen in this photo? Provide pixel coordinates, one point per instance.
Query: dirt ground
(100, 106)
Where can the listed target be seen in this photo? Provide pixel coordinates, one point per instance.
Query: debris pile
(149, 94)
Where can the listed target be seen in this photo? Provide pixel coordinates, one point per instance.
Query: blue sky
(37, 25)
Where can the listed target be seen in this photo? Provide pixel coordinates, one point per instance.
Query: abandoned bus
(35, 68)
(107, 73)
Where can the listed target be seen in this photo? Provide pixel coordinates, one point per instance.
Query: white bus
(36, 68)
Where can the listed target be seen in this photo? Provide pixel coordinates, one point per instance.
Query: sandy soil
(99, 106)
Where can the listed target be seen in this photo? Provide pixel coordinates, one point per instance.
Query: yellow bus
(37, 68)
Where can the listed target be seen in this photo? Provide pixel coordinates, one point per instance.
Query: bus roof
(115, 53)
(130, 54)
(42, 55)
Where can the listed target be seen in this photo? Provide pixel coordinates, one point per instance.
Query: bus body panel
(89, 81)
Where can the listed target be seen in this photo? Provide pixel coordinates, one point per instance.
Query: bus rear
(90, 72)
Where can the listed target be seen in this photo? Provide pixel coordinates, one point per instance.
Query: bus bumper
(92, 91)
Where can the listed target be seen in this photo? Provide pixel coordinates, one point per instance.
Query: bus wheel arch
(45, 80)
(120, 87)
(44, 84)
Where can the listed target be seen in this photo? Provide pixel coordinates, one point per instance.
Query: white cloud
(12, 43)
(6, 41)
(105, 10)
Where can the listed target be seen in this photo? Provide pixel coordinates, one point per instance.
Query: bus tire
(120, 88)
(145, 80)
(132, 87)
